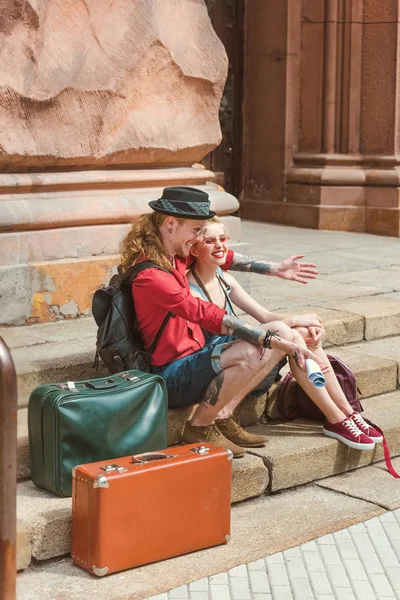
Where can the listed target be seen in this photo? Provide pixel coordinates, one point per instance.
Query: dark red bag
(292, 401)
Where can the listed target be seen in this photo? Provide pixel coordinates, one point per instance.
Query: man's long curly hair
(144, 240)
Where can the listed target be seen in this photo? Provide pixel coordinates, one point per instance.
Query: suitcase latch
(70, 386)
(200, 450)
(113, 467)
(128, 376)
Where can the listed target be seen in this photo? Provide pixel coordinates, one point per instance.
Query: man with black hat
(165, 237)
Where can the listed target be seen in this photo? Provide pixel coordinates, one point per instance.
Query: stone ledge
(27, 211)
(387, 348)
(299, 453)
(341, 326)
(23, 546)
(382, 315)
(87, 241)
(50, 363)
(50, 291)
(374, 484)
(375, 376)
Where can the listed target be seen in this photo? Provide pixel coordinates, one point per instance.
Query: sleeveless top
(212, 337)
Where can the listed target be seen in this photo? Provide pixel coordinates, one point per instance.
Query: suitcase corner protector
(227, 538)
(100, 572)
(101, 482)
(230, 454)
(74, 470)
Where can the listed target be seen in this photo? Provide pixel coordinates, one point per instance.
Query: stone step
(296, 453)
(52, 352)
(376, 374)
(48, 291)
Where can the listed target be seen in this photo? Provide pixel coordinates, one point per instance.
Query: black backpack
(119, 342)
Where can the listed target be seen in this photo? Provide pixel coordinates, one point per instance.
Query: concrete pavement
(361, 562)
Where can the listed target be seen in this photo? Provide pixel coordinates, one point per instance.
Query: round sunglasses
(213, 240)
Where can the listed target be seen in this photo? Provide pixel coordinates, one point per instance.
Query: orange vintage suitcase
(145, 508)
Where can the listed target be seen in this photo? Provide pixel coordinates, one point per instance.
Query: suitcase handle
(150, 456)
(101, 385)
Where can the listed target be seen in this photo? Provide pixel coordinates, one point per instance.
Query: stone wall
(321, 116)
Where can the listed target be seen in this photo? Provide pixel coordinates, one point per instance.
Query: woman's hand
(307, 320)
(316, 335)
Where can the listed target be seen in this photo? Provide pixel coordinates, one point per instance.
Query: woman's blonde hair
(144, 240)
(215, 220)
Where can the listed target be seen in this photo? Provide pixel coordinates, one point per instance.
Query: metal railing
(8, 473)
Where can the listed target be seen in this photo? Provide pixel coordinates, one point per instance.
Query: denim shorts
(188, 378)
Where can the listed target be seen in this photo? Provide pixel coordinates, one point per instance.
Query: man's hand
(294, 271)
(300, 354)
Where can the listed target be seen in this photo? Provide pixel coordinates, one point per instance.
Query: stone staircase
(296, 453)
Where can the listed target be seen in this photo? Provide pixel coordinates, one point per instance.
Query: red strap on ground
(386, 452)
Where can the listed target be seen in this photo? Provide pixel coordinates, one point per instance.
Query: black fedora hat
(183, 202)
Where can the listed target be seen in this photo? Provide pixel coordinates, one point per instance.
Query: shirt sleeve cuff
(229, 260)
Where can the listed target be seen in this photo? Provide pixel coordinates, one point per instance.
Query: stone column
(101, 105)
(345, 172)
(334, 132)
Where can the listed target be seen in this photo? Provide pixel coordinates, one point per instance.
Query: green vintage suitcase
(79, 422)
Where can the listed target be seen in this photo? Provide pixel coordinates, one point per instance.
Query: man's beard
(182, 251)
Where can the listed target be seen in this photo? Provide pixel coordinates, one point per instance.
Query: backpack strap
(128, 278)
(130, 274)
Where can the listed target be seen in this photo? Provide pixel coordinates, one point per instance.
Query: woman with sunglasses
(207, 281)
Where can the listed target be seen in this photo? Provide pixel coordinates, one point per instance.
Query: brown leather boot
(211, 435)
(231, 429)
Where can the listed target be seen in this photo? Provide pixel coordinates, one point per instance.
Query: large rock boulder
(89, 82)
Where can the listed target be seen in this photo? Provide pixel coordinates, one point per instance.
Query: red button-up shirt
(155, 293)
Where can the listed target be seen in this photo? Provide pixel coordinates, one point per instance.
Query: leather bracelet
(268, 337)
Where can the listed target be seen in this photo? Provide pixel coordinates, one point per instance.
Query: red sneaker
(348, 432)
(367, 427)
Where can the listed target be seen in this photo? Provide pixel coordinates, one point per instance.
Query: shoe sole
(355, 445)
(377, 440)
(258, 445)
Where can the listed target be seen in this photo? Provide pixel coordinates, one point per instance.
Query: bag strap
(223, 286)
(152, 347)
(128, 278)
(386, 451)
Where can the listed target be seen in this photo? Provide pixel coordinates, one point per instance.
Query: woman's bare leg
(332, 385)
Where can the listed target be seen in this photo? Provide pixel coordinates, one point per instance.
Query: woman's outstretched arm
(287, 269)
(245, 302)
